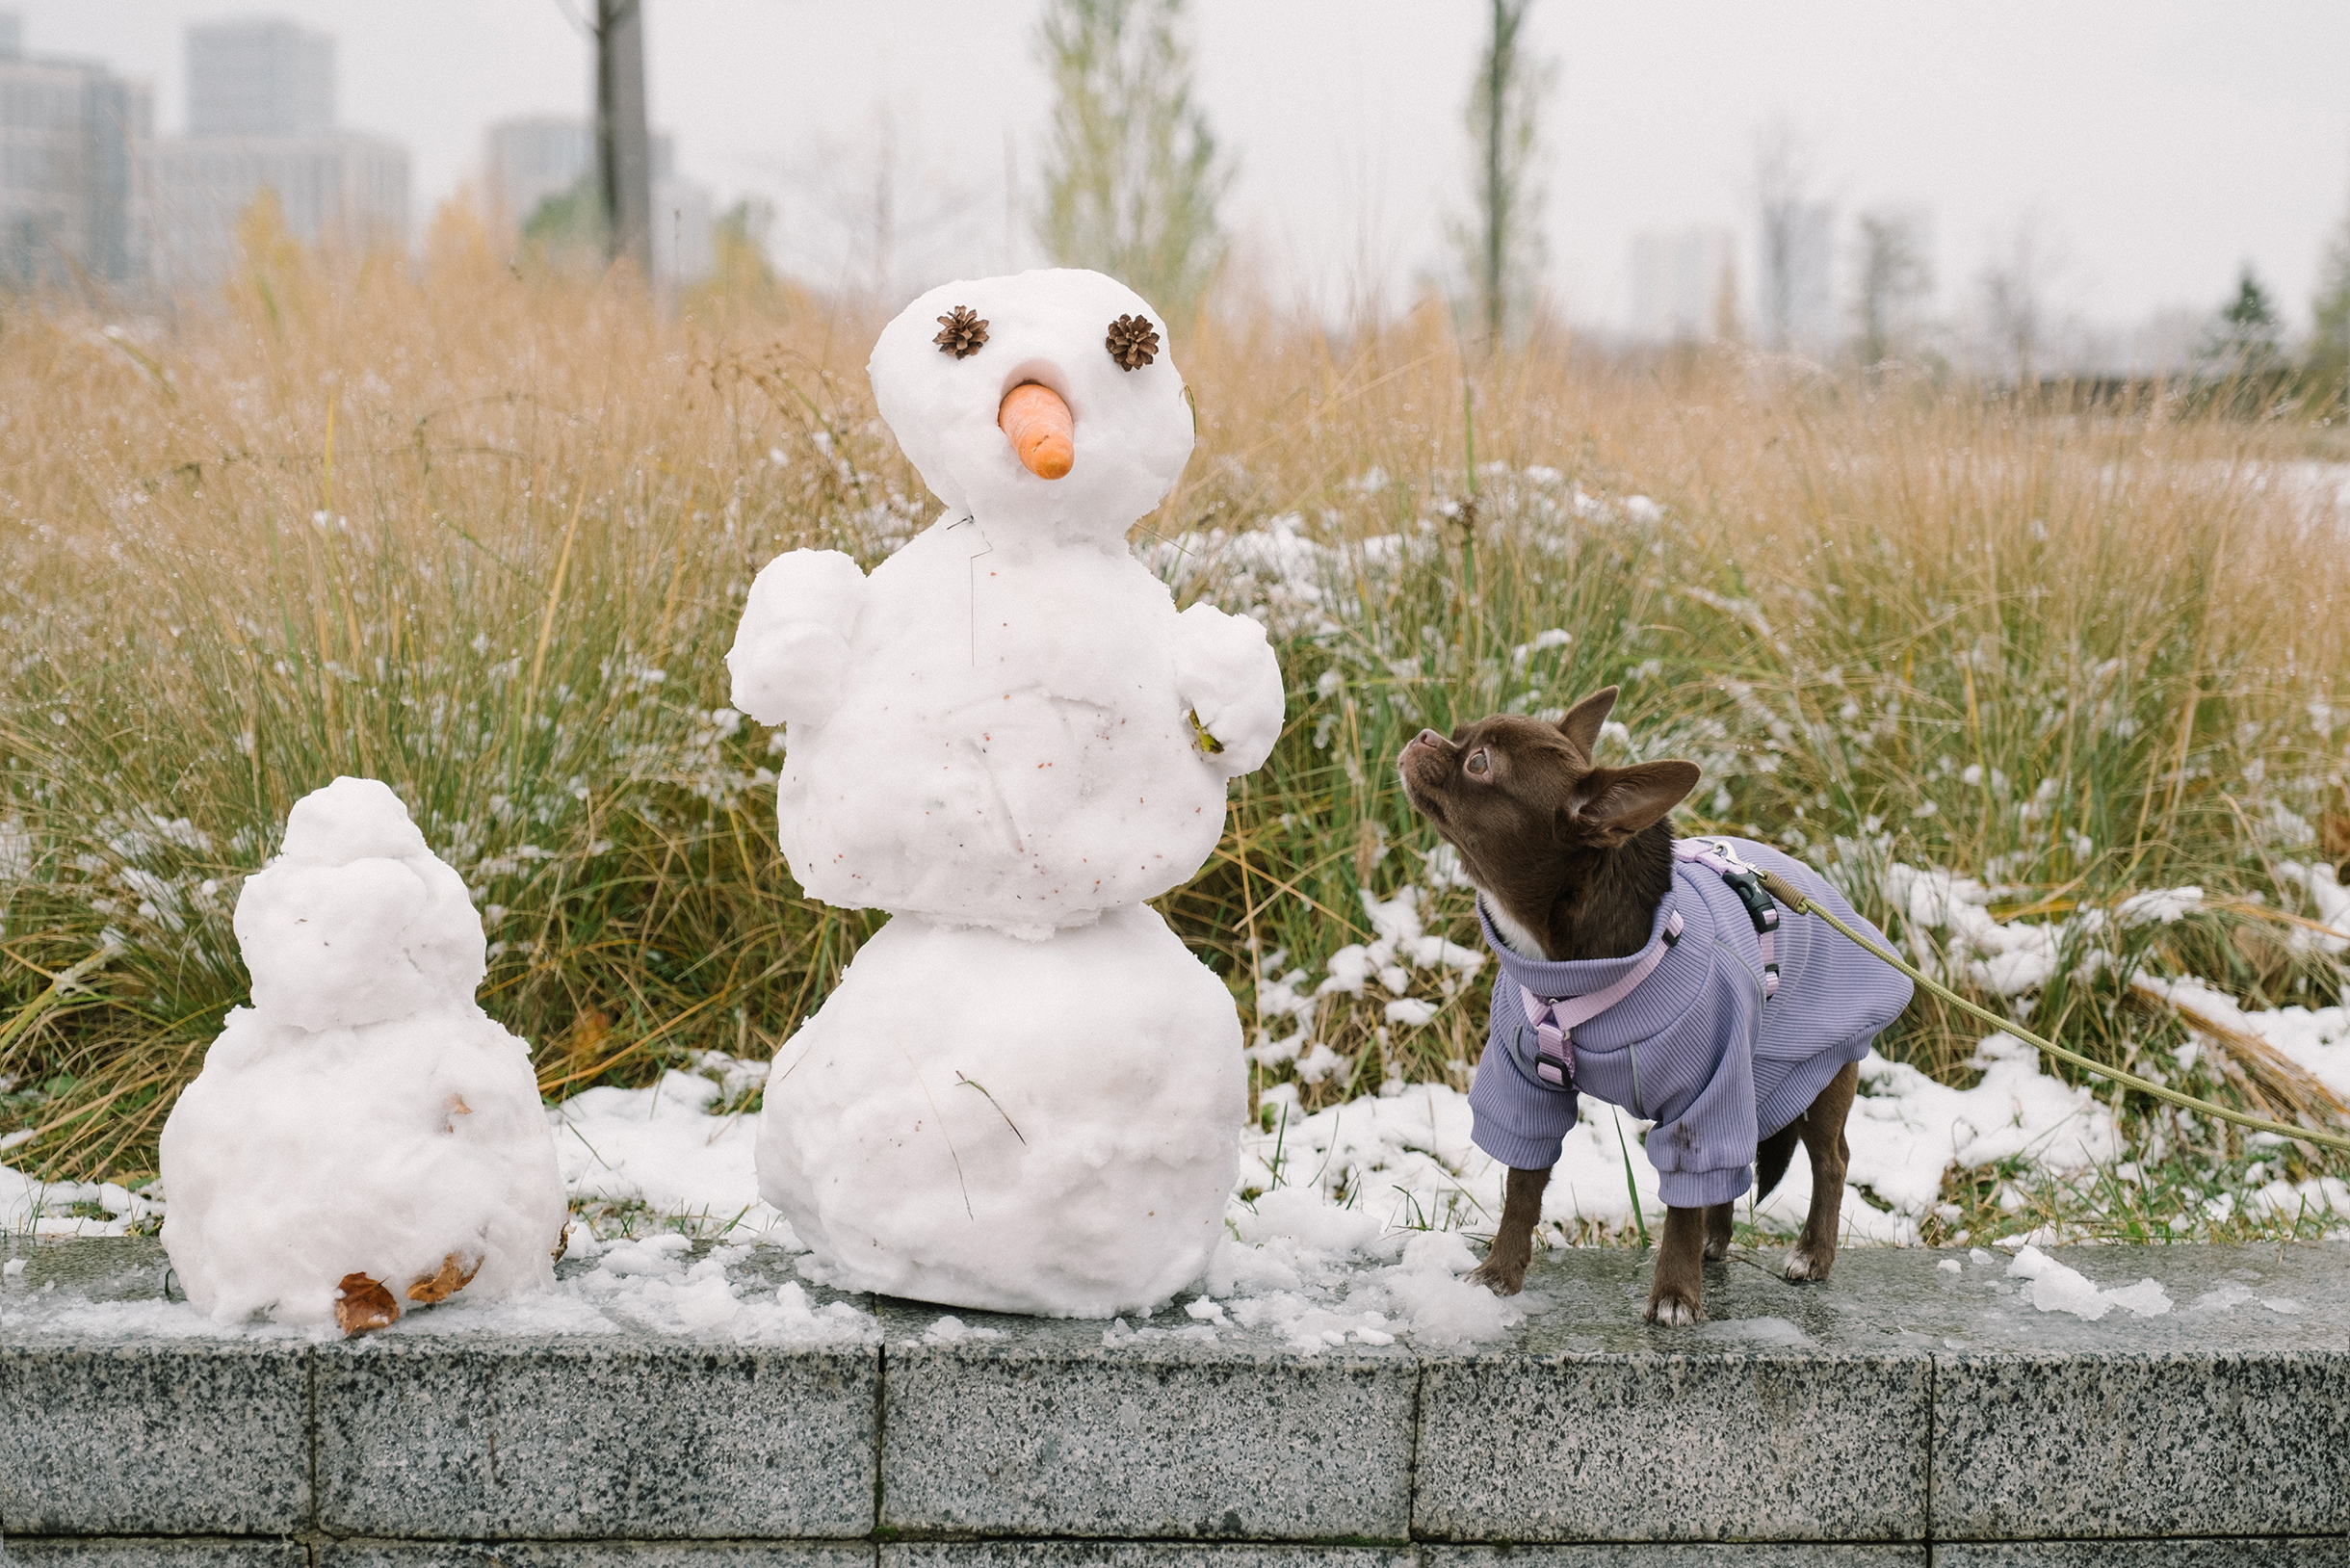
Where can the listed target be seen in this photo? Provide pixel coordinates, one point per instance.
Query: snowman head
(356, 921)
(946, 370)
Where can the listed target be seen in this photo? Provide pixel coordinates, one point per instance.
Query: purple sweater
(1715, 1077)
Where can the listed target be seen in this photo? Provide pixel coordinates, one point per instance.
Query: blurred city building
(538, 180)
(261, 116)
(1796, 299)
(259, 79)
(1684, 285)
(71, 135)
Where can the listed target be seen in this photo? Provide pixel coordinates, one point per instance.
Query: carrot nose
(1042, 430)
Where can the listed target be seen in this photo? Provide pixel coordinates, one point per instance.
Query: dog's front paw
(1805, 1264)
(1500, 1276)
(1671, 1309)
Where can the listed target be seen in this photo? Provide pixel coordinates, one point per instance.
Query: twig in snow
(972, 1083)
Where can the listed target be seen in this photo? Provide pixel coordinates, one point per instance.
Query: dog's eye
(1477, 762)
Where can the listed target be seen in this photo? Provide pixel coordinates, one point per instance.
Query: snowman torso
(1011, 747)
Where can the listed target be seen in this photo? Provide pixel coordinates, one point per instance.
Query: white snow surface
(2315, 1039)
(646, 1285)
(363, 1115)
(663, 1148)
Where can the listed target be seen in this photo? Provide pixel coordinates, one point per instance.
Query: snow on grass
(662, 1152)
(1405, 1161)
(2315, 1039)
(34, 1208)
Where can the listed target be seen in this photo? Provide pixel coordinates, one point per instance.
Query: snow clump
(2056, 1288)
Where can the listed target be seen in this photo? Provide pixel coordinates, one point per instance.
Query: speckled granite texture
(1048, 1432)
(547, 1440)
(591, 1555)
(67, 1551)
(1904, 1414)
(183, 1436)
(2271, 1551)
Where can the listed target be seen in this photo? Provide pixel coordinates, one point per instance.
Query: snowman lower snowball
(1025, 1094)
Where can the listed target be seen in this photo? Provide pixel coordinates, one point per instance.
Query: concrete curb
(1904, 1414)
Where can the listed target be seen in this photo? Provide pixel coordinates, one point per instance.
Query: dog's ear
(1613, 803)
(1583, 723)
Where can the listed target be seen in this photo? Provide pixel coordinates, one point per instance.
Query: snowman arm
(790, 659)
(1227, 677)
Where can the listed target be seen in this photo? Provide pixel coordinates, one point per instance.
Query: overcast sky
(2155, 146)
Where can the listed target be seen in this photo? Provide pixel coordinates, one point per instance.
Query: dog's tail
(1770, 1159)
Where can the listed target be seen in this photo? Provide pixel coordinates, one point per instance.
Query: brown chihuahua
(1574, 865)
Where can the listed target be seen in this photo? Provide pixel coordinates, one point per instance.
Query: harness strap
(1742, 879)
(1556, 1018)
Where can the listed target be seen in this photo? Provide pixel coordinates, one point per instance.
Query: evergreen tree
(2245, 339)
(1501, 247)
(1132, 178)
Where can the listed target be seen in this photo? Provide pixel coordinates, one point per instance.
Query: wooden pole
(624, 162)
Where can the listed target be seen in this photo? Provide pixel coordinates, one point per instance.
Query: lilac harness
(1557, 1018)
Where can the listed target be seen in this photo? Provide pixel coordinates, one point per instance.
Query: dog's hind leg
(1503, 1270)
(1717, 1232)
(1822, 1130)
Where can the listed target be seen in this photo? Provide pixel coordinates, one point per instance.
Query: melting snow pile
(650, 1284)
(2056, 1288)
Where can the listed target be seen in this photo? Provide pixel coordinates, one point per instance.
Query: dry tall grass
(484, 535)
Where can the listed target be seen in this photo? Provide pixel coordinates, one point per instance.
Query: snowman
(364, 1138)
(1025, 1094)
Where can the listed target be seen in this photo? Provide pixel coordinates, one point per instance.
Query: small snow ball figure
(1025, 1093)
(362, 1138)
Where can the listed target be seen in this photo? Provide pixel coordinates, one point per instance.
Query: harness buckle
(1761, 907)
(1554, 1067)
(1741, 879)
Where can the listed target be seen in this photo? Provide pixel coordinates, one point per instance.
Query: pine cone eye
(1133, 342)
(960, 332)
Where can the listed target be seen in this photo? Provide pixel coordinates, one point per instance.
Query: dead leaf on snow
(451, 1279)
(364, 1304)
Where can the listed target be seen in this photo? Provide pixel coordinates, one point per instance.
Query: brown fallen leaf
(447, 1283)
(562, 1243)
(364, 1304)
